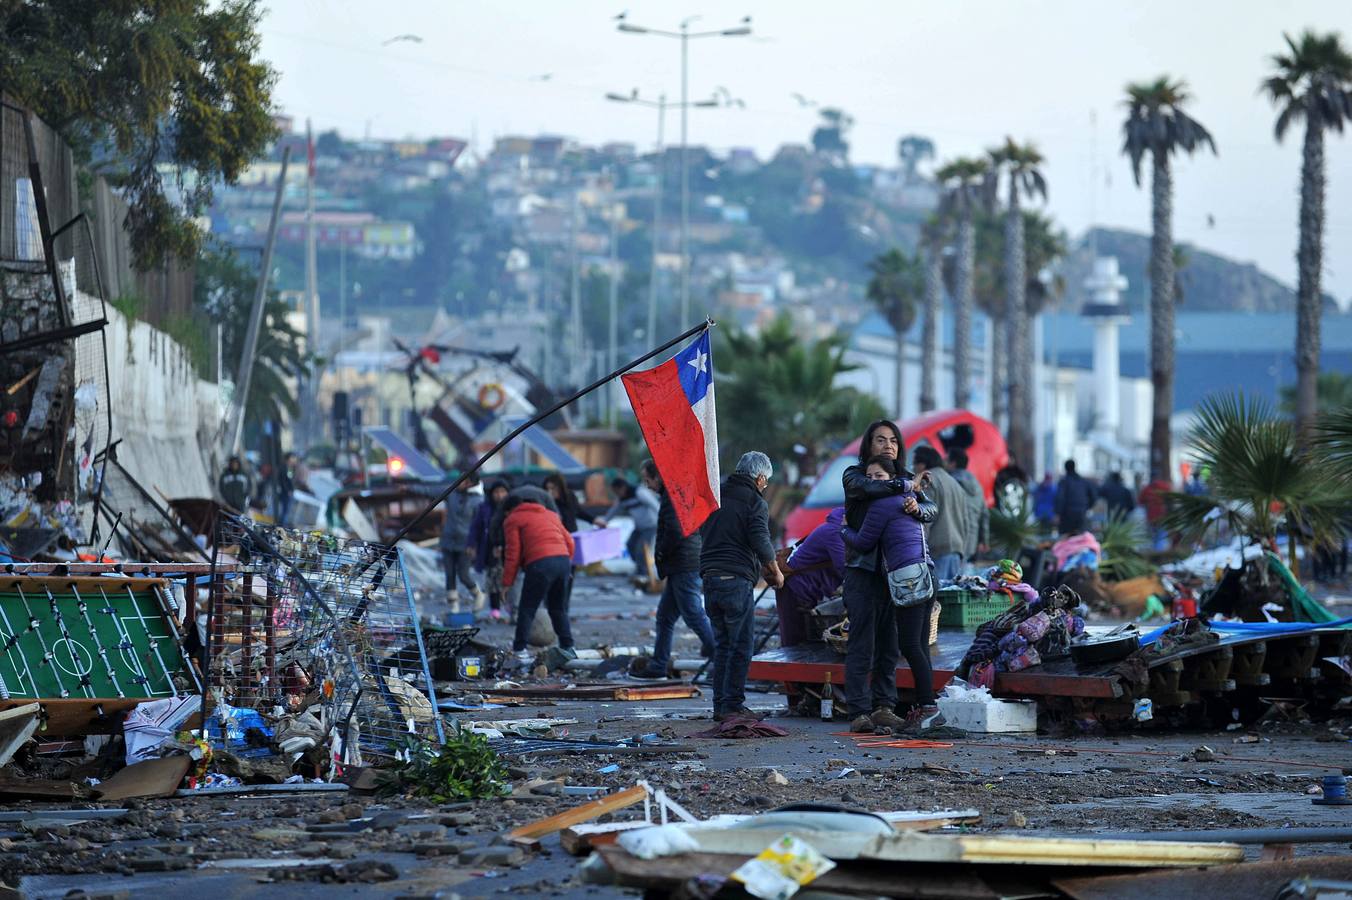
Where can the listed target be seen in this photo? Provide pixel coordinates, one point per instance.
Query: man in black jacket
(1074, 498)
(677, 558)
(736, 548)
(872, 653)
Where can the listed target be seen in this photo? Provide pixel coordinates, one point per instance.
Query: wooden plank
(656, 693)
(911, 846)
(17, 725)
(151, 778)
(533, 831)
(12, 788)
(77, 718)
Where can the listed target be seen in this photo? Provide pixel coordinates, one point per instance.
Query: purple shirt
(901, 535)
(823, 545)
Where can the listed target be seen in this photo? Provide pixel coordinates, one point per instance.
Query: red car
(941, 430)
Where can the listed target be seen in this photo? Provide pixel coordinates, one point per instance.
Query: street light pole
(661, 105)
(685, 35)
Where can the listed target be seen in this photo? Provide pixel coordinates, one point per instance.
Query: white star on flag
(700, 362)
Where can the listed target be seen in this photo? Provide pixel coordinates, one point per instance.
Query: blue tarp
(1257, 628)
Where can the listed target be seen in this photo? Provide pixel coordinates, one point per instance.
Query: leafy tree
(1157, 125)
(1019, 166)
(1313, 81)
(897, 281)
(1260, 479)
(225, 287)
(1334, 392)
(777, 392)
(828, 138)
(966, 184)
(135, 84)
(1333, 445)
(912, 150)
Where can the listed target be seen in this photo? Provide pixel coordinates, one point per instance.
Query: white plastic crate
(990, 716)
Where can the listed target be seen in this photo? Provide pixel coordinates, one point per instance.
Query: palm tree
(897, 281)
(778, 393)
(912, 150)
(1333, 445)
(1260, 478)
(932, 238)
(966, 184)
(1019, 164)
(1313, 81)
(1156, 124)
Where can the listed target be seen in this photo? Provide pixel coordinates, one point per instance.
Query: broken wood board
(579, 839)
(98, 715)
(663, 876)
(913, 846)
(13, 788)
(294, 788)
(1254, 879)
(531, 832)
(17, 725)
(151, 778)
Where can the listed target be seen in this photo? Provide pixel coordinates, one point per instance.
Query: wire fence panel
(314, 621)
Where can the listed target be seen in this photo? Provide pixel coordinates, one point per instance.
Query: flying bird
(411, 38)
(620, 17)
(544, 77)
(803, 101)
(1210, 221)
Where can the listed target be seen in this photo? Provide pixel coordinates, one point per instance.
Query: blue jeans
(731, 605)
(871, 653)
(546, 581)
(681, 599)
(947, 567)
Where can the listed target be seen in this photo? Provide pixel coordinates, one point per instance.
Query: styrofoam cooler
(596, 545)
(990, 716)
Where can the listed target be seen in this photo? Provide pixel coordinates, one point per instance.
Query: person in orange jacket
(538, 545)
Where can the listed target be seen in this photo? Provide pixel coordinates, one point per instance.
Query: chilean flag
(674, 405)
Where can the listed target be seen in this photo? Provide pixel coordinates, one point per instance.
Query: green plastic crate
(969, 609)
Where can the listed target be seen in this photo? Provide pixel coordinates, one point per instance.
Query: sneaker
(883, 717)
(568, 652)
(863, 724)
(921, 719)
(480, 600)
(646, 668)
(523, 658)
(740, 712)
(931, 718)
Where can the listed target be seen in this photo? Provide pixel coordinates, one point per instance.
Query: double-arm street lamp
(685, 35)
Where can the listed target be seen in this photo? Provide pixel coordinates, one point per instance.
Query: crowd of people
(268, 489)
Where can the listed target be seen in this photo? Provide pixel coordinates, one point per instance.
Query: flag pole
(539, 417)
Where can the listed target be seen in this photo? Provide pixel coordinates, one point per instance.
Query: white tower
(1106, 312)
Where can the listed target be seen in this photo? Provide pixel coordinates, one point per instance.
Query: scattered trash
(607, 770)
(782, 868)
(1144, 710)
(533, 831)
(1204, 754)
(775, 777)
(657, 840)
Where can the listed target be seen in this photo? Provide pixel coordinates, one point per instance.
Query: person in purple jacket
(813, 573)
(895, 525)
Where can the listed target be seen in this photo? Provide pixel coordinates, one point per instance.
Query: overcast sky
(963, 72)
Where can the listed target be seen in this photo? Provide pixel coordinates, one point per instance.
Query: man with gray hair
(736, 548)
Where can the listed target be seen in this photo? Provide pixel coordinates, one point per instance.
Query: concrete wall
(166, 417)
